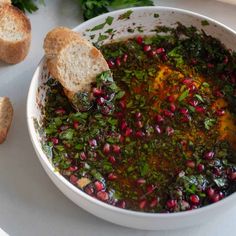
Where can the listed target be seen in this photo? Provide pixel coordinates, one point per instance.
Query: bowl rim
(41, 155)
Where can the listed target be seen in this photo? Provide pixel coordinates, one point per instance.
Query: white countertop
(30, 204)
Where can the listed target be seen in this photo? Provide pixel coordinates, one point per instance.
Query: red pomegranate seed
(215, 198)
(138, 115)
(168, 113)
(193, 61)
(158, 129)
(190, 164)
(221, 195)
(152, 53)
(142, 204)
(164, 57)
(139, 40)
(139, 124)
(220, 112)
(83, 156)
(171, 98)
(160, 50)
(118, 61)
(73, 179)
(112, 159)
(169, 131)
(187, 81)
(200, 109)
(159, 119)
(92, 143)
(121, 139)
(210, 65)
(147, 48)
(193, 102)
(112, 176)
(171, 204)
(192, 88)
(122, 104)
(226, 59)
(89, 190)
(123, 125)
(210, 192)
(55, 141)
(154, 202)
(100, 101)
(186, 119)
(116, 148)
(111, 63)
(209, 155)
(76, 124)
(183, 111)
(98, 185)
(128, 132)
(106, 148)
(218, 94)
(232, 176)
(103, 196)
(139, 134)
(194, 199)
(121, 204)
(125, 57)
(97, 92)
(172, 107)
(140, 181)
(72, 168)
(150, 188)
(200, 168)
(217, 171)
(60, 111)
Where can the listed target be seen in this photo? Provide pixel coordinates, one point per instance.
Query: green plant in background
(91, 8)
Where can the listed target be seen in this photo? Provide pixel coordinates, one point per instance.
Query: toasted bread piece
(15, 34)
(6, 114)
(72, 60)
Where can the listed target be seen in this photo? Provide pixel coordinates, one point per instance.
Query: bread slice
(6, 114)
(72, 60)
(15, 34)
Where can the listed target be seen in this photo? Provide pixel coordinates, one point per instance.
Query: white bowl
(141, 16)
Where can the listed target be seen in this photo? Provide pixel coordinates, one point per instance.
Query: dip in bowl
(155, 147)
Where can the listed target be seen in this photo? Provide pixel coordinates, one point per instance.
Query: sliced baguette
(15, 34)
(72, 60)
(6, 114)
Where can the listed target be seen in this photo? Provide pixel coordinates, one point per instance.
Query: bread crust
(13, 52)
(6, 115)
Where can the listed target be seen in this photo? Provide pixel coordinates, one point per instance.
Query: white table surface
(30, 204)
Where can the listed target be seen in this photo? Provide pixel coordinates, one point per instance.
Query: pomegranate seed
(184, 205)
(112, 159)
(122, 104)
(83, 156)
(226, 59)
(210, 192)
(103, 196)
(147, 48)
(112, 176)
(150, 188)
(89, 190)
(138, 115)
(168, 113)
(192, 88)
(194, 199)
(220, 112)
(152, 53)
(76, 124)
(218, 94)
(183, 111)
(139, 134)
(209, 155)
(171, 98)
(142, 204)
(210, 65)
(125, 57)
(193, 102)
(186, 119)
(160, 50)
(169, 130)
(100, 101)
(106, 148)
(187, 81)
(221, 195)
(121, 139)
(128, 132)
(60, 111)
(139, 124)
(217, 171)
(121, 204)
(111, 63)
(159, 119)
(172, 107)
(123, 125)
(98, 185)
(118, 61)
(139, 40)
(97, 92)
(183, 143)
(200, 109)
(232, 176)
(190, 164)
(73, 179)
(200, 168)
(154, 202)
(171, 204)
(72, 168)
(215, 198)
(158, 129)
(93, 143)
(164, 57)
(55, 141)
(193, 61)
(140, 181)
(116, 148)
